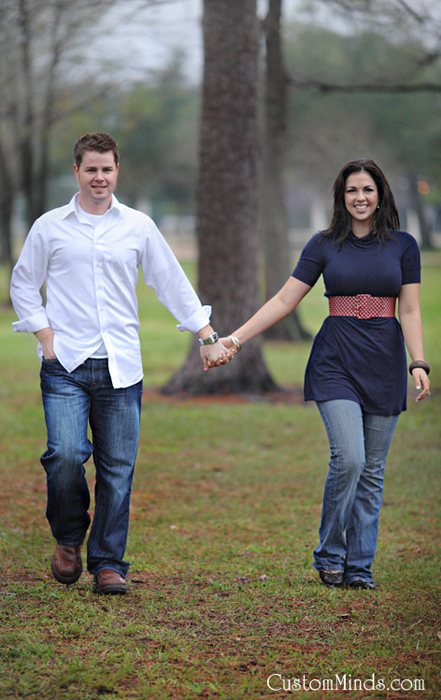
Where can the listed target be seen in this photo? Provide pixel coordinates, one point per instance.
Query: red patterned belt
(362, 306)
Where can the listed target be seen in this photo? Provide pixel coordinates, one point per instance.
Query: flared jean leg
(359, 444)
(362, 527)
(343, 421)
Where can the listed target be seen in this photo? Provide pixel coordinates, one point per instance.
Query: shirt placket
(98, 266)
(101, 301)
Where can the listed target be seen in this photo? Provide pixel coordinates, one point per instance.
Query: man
(88, 252)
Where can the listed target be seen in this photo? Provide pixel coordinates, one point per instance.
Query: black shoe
(332, 578)
(361, 583)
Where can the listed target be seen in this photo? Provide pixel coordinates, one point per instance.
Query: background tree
(276, 245)
(410, 68)
(228, 195)
(6, 203)
(382, 73)
(157, 131)
(353, 95)
(36, 35)
(45, 52)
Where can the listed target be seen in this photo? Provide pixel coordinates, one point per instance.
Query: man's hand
(46, 338)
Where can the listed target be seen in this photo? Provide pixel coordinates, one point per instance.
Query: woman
(357, 371)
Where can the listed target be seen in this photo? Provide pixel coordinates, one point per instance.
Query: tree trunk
(6, 204)
(228, 197)
(274, 218)
(418, 205)
(26, 149)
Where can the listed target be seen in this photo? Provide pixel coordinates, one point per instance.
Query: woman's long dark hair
(386, 216)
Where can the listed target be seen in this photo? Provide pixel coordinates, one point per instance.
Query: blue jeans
(359, 445)
(72, 401)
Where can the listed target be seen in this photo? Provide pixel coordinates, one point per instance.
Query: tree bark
(274, 216)
(228, 197)
(6, 202)
(26, 150)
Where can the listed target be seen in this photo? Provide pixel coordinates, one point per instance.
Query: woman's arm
(410, 319)
(282, 304)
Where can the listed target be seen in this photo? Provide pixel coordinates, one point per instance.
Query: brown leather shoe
(66, 563)
(107, 581)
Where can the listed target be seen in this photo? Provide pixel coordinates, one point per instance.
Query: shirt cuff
(32, 323)
(199, 319)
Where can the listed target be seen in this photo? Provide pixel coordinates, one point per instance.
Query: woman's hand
(410, 319)
(421, 380)
(230, 345)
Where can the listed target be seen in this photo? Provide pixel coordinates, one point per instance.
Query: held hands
(215, 355)
(228, 346)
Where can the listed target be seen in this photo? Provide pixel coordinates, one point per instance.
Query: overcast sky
(147, 41)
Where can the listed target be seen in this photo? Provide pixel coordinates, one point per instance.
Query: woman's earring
(378, 205)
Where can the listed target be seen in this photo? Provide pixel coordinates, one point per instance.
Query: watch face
(213, 338)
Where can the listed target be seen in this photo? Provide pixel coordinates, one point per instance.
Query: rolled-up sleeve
(196, 321)
(31, 324)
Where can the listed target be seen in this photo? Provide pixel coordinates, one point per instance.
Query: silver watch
(213, 338)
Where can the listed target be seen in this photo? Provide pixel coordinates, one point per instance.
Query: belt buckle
(363, 306)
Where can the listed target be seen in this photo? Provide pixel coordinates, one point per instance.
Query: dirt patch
(292, 395)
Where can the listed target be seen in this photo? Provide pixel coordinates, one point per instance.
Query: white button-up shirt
(91, 275)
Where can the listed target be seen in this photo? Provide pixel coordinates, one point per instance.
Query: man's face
(97, 176)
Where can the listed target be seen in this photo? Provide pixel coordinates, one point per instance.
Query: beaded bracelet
(419, 364)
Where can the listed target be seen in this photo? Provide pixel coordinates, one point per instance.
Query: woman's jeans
(359, 445)
(71, 401)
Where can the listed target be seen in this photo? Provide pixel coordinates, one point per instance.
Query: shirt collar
(74, 208)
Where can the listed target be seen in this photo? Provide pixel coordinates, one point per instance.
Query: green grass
(225, 510)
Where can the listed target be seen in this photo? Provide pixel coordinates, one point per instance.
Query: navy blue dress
(360, 360)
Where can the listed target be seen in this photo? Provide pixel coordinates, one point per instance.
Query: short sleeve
(312, 261)
(410, 261)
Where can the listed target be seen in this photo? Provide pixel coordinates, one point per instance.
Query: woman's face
(361, 199)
